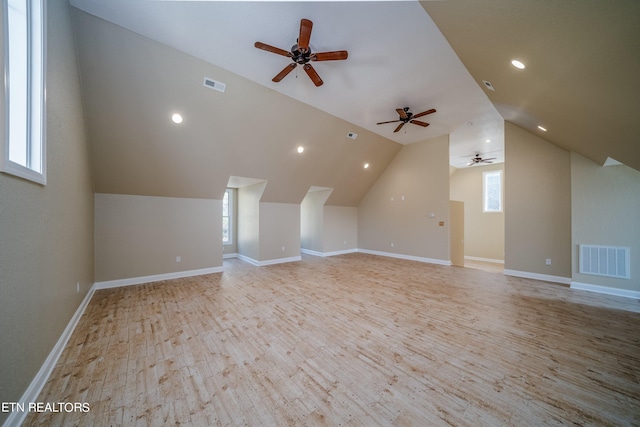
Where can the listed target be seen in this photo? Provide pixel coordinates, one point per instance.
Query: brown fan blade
(424, 113)
(419, 123)
(330, 56)
(392, 121)
(399, 127)
(305, 34)
(284, 72)
(403, 114)
(272, 49)
(313, 74)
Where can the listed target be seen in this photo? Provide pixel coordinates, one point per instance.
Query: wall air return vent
(609, 261)
(213, 84)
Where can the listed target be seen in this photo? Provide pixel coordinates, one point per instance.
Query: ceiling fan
(408, 117)
(301, 54)
(477, 159)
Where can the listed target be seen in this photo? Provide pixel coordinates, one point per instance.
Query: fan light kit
(408, 117)
(301, 54)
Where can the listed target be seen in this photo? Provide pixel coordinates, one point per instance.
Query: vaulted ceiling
(140, 61)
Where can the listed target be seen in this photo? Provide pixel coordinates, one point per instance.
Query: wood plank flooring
(351, 340)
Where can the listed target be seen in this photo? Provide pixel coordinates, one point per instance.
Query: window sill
(20, 171)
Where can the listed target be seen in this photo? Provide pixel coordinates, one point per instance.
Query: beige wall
(537, 205)
(340, 228)
(605, 211)
(249, 220)
(419, 174)
(279, 231)
(138, 236)
(46, 232)
(483, 231)
(312, 219)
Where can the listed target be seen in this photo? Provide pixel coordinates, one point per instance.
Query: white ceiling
(397, 58)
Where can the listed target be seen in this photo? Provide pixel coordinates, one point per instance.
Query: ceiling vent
(352, 135)
(213, 84)
(488, 85)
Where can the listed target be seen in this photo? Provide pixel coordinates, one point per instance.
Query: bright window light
(23, 151)
(492, 191)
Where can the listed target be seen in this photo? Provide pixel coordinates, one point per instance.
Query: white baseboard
(155, 278)
(269, 261)
(227, 256)
(475, 258)
(537, 276)
(325, 254)
(605, 290)
(407, 257)
(37, 384)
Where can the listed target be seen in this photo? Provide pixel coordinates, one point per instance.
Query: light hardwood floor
(353, 340)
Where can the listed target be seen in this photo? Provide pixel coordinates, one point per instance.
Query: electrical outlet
(178, 258)
(77, 286)
(548, 262)
(283, 249)
(392, 245)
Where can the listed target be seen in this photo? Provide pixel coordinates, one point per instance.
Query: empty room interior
(320, 213)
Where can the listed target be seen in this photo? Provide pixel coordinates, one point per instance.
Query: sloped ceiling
(582, 75)
(131, 87)
(142, 60)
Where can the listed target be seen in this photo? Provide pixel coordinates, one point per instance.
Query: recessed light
(176, 118)
(542, 129)
(487, 140)
(517, 64)
(366, 165)
(301, 149)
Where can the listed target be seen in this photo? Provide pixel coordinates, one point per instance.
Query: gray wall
(46, 243)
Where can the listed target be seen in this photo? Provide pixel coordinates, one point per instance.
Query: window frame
(34, 143)
(229, 193)
(485, 193)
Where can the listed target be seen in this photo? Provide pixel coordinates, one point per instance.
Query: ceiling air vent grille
(213, 84)
(609, 261)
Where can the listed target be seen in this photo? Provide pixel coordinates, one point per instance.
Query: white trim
(407, 257)
(41, 378)
(249, 260)
(269, 261)
(279, 260)
(226, 256)
(537, 276)
(605, 290)
(326, 254)
(475, 258)
(155, 278)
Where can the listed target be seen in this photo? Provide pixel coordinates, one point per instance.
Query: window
(492, 191)
(227, 212)
(23, 153)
